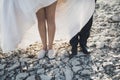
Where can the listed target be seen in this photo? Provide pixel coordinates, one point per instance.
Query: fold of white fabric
(18, 24)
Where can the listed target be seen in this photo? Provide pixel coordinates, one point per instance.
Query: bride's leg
(42, 27)
(50, 16)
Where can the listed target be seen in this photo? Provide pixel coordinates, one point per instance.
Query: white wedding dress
(18, 22)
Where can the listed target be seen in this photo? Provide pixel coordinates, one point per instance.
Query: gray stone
(68, 73)
(31, 77)
(76, 68)
(3, 60)
(75, 62)
(116, 77)
(40, 71)
(2, 66)
(24, 59)
(1, 73)
(85, 72)
(59, 76)
(65, 59)
(45, 77)
(33, 72)
(21, 76)
(16, 65)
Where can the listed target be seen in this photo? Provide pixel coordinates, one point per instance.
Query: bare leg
(50, 16)
(42, 27)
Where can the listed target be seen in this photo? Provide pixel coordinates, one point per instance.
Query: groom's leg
(85, 32)
(74, 43)
(84, 35)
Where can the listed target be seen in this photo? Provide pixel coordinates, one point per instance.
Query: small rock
(45, 77)
(31, 77)
(85, 72)
(2, 66)
(76, 68)
(107, 63)
(68, 73)
(21, 76)
(115, 45)
(97, 6)
(24, 55)
(116, 77)
(109, 69)
(24, 59)
(75, 62)
(16, 65)
(40, 71)
(100, 45)
(1, 73)
(32, 72)
(115, 18)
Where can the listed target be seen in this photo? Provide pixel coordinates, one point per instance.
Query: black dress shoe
(74, 42)
(85, 49)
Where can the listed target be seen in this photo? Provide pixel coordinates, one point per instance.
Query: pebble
(45, 77)
(76, 68)
(16, 65)
(21, 76)
(116, 18)
(68, 73)
(2, 66)
(31, 78)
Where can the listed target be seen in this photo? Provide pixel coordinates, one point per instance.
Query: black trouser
(85, 32)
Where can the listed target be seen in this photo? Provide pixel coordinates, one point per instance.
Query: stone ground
(102, 64)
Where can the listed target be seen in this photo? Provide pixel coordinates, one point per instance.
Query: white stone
(115, 45)
(91, 44)
(94, 68)
(116, 18)
(107, 63)
(100, 44)
(95, 38)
